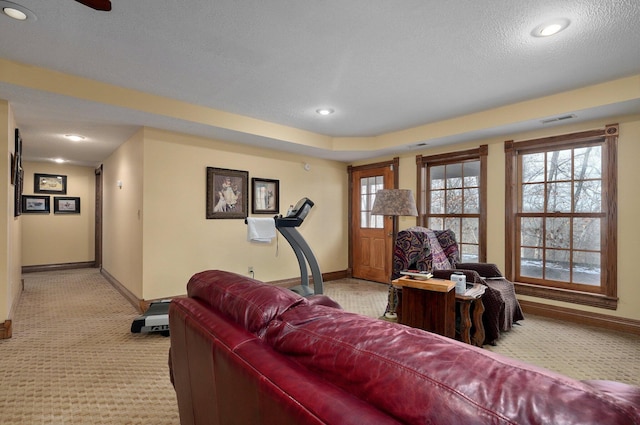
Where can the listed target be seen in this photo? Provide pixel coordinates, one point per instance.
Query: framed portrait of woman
(227, 193)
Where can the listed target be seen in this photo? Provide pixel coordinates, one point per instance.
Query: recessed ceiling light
(58, 160)
(325, 111)
(550, 28)
(17, 11)
(74, 137)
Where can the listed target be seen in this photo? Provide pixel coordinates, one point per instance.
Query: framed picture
(16, 164)
(66, 205)
(50, 183)
(12, 172)
(265, 196)
(32, 204)
(227, 193)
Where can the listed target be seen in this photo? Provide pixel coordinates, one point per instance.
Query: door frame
(98, 218)
(395, 166)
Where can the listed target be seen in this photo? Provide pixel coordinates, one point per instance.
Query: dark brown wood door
(371, 236)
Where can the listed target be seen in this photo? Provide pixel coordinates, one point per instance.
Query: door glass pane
(379, 183)
(378, 221)
(364, 219)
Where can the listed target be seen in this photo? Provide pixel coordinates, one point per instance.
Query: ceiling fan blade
(97, 4)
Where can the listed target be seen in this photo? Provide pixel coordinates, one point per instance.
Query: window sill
(575, 297)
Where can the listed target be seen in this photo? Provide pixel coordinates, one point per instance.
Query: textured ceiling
(383, 65)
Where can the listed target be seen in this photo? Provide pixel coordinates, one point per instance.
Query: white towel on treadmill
(261, 229)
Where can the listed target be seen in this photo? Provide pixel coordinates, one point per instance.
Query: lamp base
(390, 317)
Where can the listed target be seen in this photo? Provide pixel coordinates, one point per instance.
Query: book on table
(417, 274)
(475, 291)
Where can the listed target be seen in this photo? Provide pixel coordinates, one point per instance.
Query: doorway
(370, 236)
(98, 218)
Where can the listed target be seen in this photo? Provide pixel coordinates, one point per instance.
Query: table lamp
(394, 202)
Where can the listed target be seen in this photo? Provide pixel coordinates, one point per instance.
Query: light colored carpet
(72, 359)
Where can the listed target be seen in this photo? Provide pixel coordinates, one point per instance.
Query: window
(369, 186)
(451, 190)
(561, 222)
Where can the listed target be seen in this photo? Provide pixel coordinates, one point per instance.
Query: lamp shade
(394, 202)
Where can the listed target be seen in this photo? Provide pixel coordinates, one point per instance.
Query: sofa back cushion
(419, 377)
(250, 303)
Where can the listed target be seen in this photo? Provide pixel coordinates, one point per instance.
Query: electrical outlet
(250, 270)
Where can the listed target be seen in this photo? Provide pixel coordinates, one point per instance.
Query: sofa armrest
(619, 390)
(320, 299)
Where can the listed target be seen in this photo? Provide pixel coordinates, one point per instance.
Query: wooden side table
(465, 304)
(428, 304)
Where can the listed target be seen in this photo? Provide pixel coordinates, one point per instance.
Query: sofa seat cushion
(250, 303)
(419, 377)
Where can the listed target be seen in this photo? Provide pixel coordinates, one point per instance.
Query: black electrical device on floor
(155, 319)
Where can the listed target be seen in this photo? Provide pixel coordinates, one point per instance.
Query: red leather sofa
(245, 352)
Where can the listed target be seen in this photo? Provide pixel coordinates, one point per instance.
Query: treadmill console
(296, 216)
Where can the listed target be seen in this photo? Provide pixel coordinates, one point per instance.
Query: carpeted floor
(72, 359)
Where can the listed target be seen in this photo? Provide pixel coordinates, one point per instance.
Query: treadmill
(287, 226)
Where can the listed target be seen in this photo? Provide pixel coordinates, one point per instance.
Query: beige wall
(628, 204)
(122, 214)
(10, 233)
(176, 238)
(60, 238)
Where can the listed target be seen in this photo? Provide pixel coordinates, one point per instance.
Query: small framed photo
(66, 205)
(227, 193)
(50, 183)
(35, 204)
(265, 196)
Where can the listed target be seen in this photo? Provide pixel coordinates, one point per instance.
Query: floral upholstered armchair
(419, 248)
